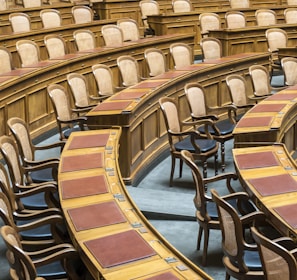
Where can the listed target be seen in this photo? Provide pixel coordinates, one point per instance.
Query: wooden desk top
(269, 175)
(115, 239)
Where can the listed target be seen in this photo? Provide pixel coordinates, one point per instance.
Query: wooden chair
(180, 139)
(211, 48)
(182, 6)
(55, 46)
(3, 5)
(292, 2)
(104, 80)
(278, 256)
(206, 212)
(32, 3)
(156, 61)
(239, 4)
(6, 61)
(82, 14)
(129, 70)
(237, 88)
(290, 15)
(68, 119)
(265, 17)
(276, 38)
(261, 81)
(221, 130)
(28, 151)
(235, 19)
(20, 176)
(112, 35)
(289, 66)
(55, 262)
(147, 8)
(20, 22)
(241, 259)
(28, 52)
(84, 39)
(80, 91)
(182, 55)
(130, 29)
(50, 18)
(208, 21)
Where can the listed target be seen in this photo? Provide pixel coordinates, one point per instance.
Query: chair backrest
(28, 52)
(182, 6)
(32, 3)
(209, 21)
(129, 70)
(6, 60)
(3, 5)
(265, 17)
(276, 38)
(290, 15)
(182, 54)
(289, 66)
(130, 29)
(276, 260)
(82, 14)
(84, 39)
(79, 88)
(11, 156)
(260, 80)
(20, 22)
(232, 232)
(196, 99)
(112, 35)
(199, 199)
(292, 2)
(211, 48)
(104, 79)
(156, 61)
(6, 210)
(55, 46)
(147, 8)
(50, 18)
(239, 4)
(235, 19)
(237, 89)
(20, 131)
(19, 261)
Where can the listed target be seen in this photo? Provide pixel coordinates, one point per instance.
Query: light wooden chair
(80, 92)
(129, 29)
(182, 6)
(211, 48)
(289, 66)
(221, 130)
(156, 61)
(68, 119)
(82, 14)
(6, 60)
(129, 70)
(20, 22)
(50, 18)
(32, 3)
(239, 4)
(105, 81)
(208, 21)
(147, 8)
(265, 17)
(28, 52)
(235, 19)
(112, 35)
(55, 46)
(290, 15)
(182, 54)
(84, 39)
(181, 138)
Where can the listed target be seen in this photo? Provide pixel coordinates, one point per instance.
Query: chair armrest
(42, 161)
(59, 144)
(226, 176)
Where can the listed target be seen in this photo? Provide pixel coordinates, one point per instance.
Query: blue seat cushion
(204, 144)
(225, 127)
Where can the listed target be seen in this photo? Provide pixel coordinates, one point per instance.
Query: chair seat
(41, 176)
(225, 127)
(52, 270)
(252, 261)
(39, 233)
(68, 131)
(205, 145)
(35, 202)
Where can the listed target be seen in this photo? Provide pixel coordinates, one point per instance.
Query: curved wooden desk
(113, 237)
(269, 175)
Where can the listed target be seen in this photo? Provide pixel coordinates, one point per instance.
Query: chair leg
(227, 276)
(216, 163)
(223, 156)
(205, 246)
(204, 169)
(172, 171)
(199, 237)
(180, 168)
